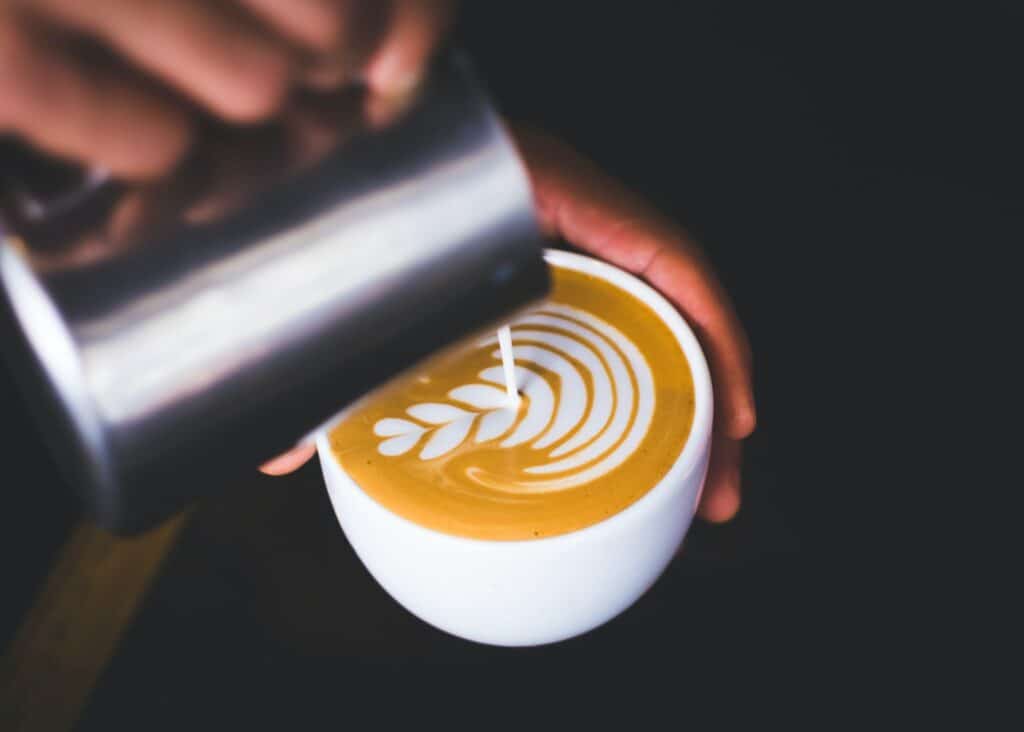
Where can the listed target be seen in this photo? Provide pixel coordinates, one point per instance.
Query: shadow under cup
(520, 593)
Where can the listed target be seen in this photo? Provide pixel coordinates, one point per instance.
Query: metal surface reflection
(190, 328)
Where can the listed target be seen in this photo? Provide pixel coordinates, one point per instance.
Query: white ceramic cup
(521, 593)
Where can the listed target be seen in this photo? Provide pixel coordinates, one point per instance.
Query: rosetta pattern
(596, 417)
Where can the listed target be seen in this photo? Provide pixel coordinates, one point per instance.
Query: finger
(289, 461)
(338, 35)
(97, 116)
(721, 499)
(319, 25)
(578, 202)
(202, 49)
(691, 287)
(415, 29)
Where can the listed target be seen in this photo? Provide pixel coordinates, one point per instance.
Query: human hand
(580, 204)
(113, 83)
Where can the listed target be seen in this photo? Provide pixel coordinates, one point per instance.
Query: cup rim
(690, 458)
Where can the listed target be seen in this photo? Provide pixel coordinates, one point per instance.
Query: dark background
(853, 170)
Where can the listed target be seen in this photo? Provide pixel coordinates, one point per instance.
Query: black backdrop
(838, 161)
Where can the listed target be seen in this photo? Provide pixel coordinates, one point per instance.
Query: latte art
(605, 401)
(591, 425)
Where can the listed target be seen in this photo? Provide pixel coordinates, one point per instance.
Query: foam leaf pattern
(393, 427)
(494, 424)
(447, 438)
(448, 426)
(587, 401)
(399, 445)
(434, 413)
(480, 396)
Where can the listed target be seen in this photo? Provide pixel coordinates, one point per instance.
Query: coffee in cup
(606, 404)
(533, 518)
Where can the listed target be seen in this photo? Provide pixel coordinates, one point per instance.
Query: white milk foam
(589, 434)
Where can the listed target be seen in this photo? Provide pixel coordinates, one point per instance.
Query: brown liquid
(440, 476)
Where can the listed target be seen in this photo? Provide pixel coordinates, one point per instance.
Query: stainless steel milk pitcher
(175, 334)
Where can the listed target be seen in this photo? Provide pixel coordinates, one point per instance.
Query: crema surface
(606, 406)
